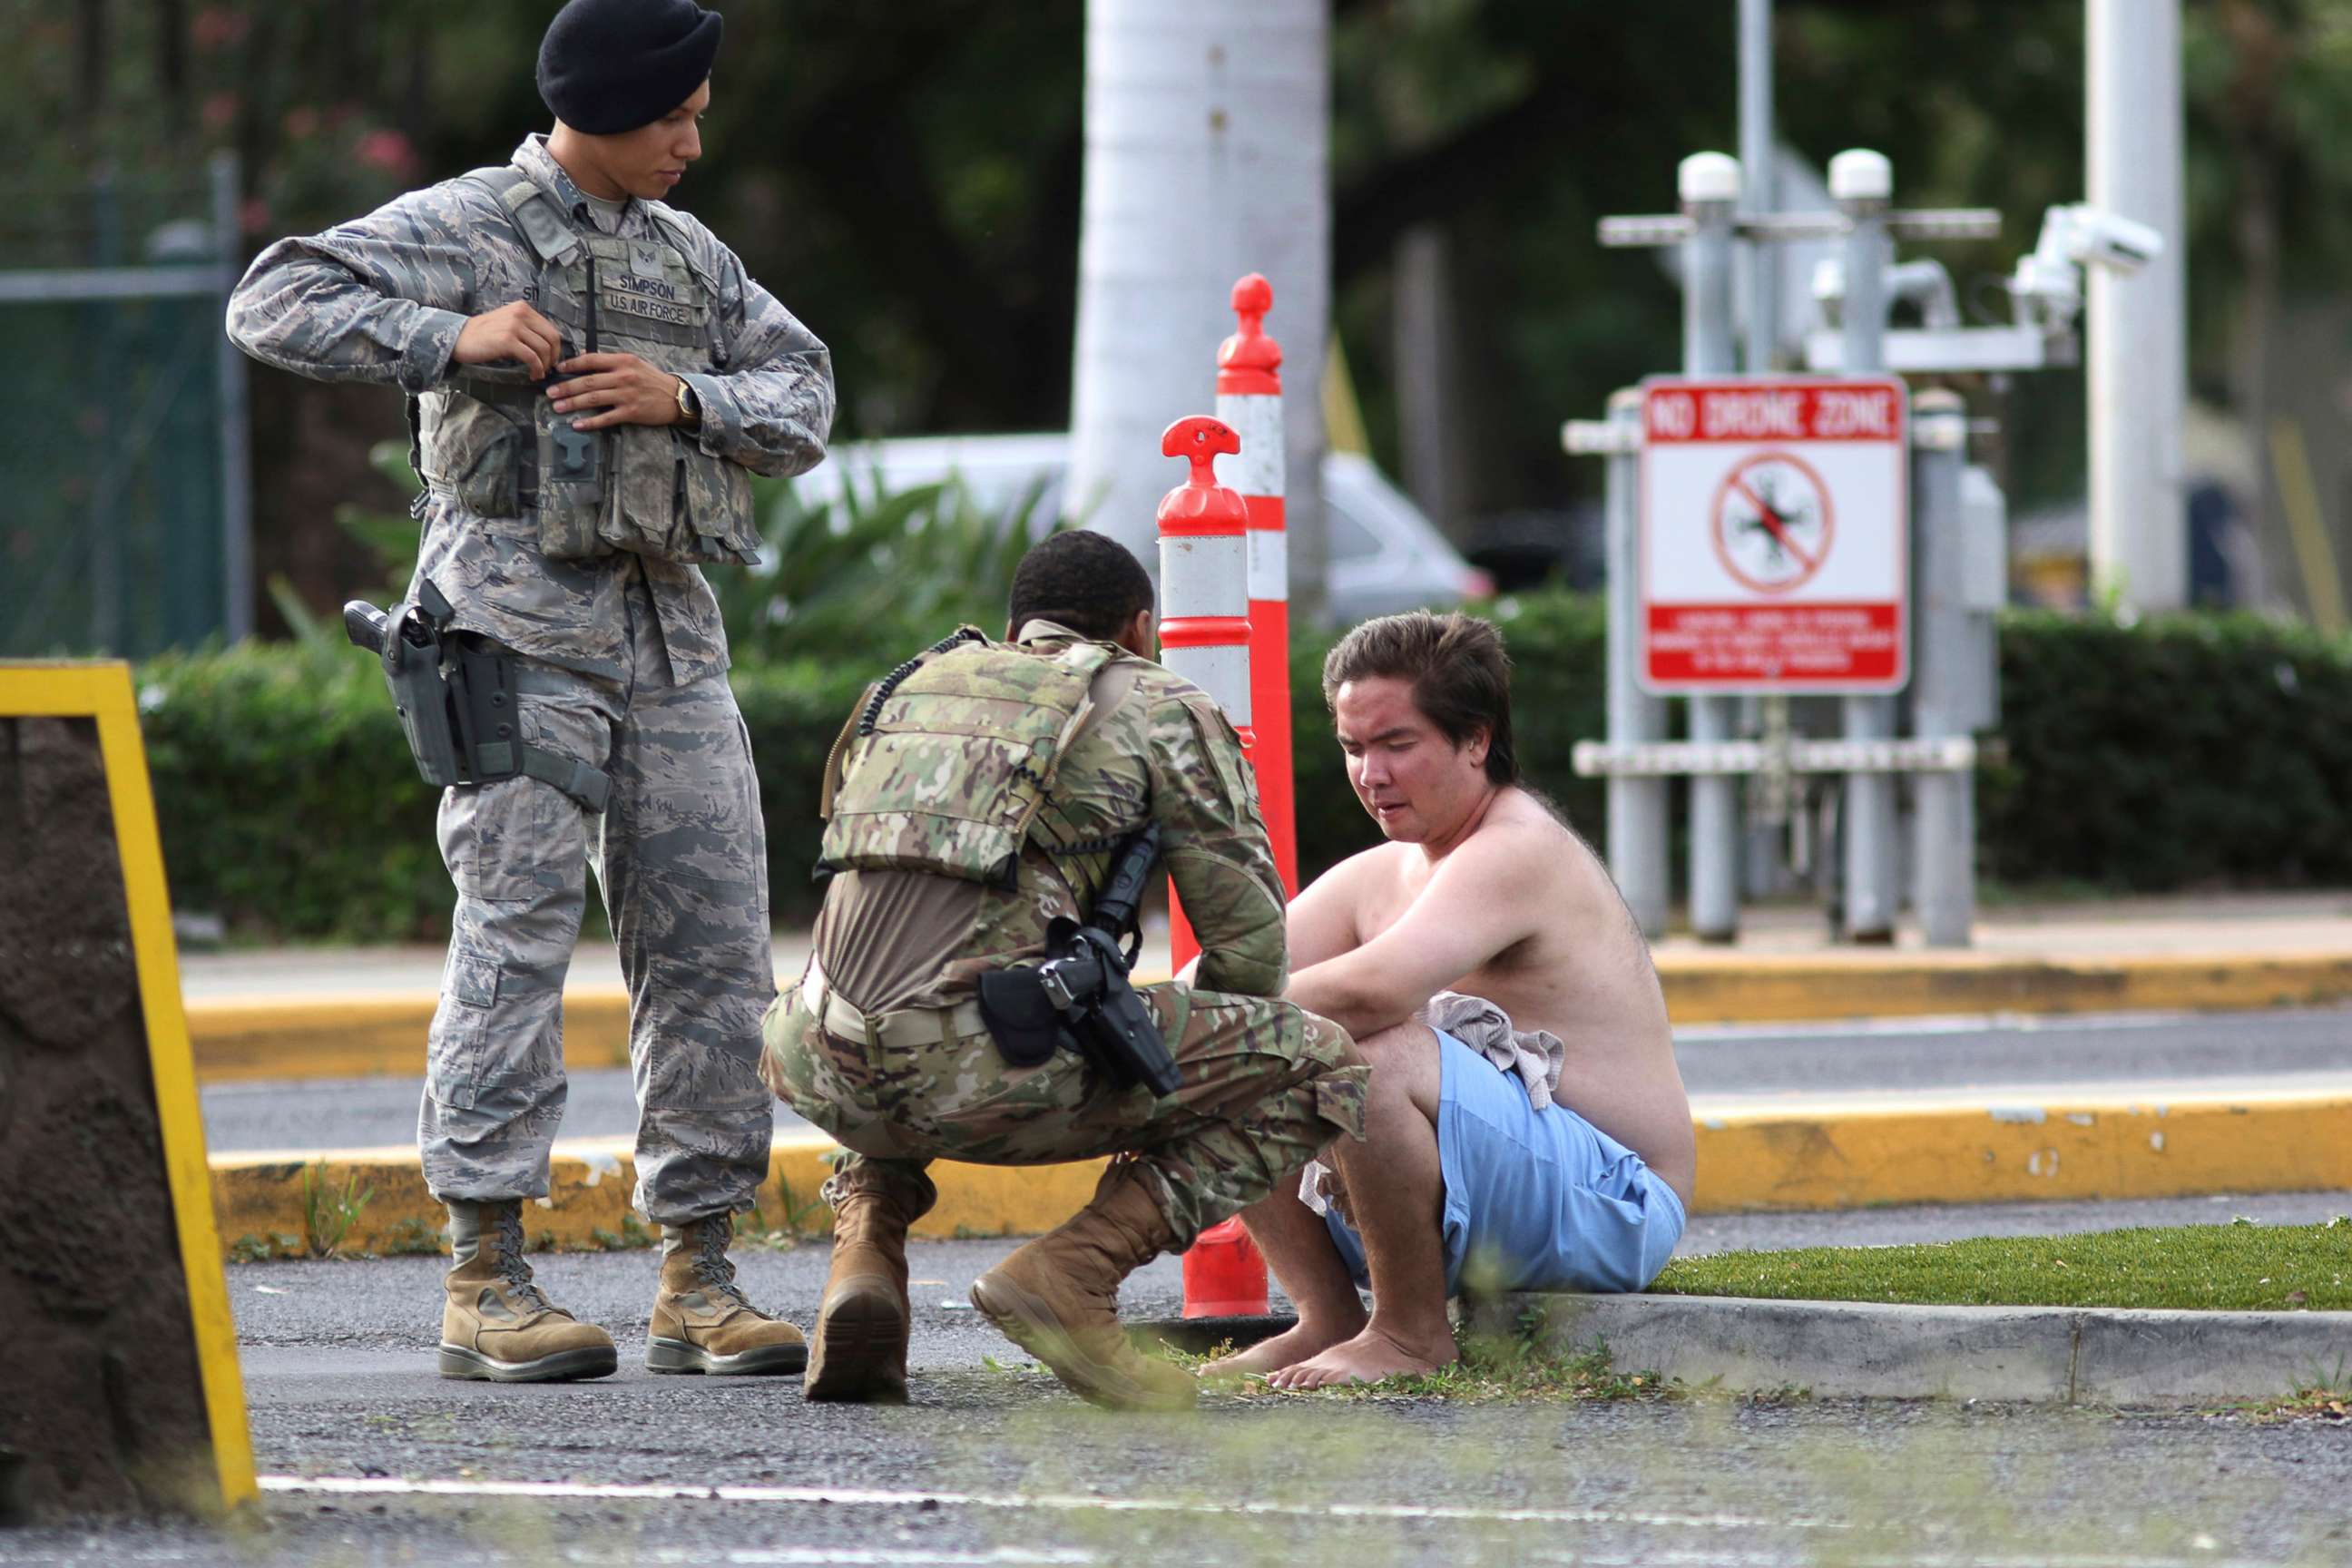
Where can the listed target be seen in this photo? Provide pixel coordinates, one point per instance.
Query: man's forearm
(1331, 990)
(773, 421)
(311, 317)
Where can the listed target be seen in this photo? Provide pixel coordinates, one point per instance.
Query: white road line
(1879, 1559)
(606, 1491)
(852, 1556)
(883, 1557)
(694, 1557)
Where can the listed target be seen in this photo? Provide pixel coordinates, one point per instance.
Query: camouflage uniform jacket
(383, 297)
(1155, 748)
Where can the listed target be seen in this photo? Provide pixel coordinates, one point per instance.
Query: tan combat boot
(1057, 1298)
(498, 1326)
(702, 1320)
(858, 1351)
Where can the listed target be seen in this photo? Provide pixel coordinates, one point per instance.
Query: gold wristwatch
(689, 413)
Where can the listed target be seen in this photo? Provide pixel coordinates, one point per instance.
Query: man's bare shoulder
(1527, 843)
(1521, 834)
(1364, 869)
(1575, 878)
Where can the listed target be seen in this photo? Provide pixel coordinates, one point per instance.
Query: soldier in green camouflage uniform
(590, 376)
(881, 1042)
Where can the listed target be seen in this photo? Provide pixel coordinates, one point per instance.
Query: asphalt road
(373, 1458)
(994, 1464)
(2277, 1049)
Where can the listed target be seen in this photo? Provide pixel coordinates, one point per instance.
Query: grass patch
(328, 1212)
(411, 1236)
(2324, 1404)
(1517, 1367)
(633, 1235)
(799, 1219)
(269, 1248)
(2238, 1267)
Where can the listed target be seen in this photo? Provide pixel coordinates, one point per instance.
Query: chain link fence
(125, 507)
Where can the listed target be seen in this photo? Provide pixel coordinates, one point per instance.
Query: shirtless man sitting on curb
(1480, 890)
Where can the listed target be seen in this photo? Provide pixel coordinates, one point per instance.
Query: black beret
(610, 66)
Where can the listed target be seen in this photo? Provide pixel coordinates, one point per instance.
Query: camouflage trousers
(1266, 1085)
(681, 858)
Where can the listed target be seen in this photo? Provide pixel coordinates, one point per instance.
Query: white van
(1385, 555)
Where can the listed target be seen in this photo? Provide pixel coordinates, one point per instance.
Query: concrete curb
(363, 1034)
(1827, 1155)
(1750, 988)
(370, 1034)
(1856, 1152)
(284, 1202)
(1849, 1349)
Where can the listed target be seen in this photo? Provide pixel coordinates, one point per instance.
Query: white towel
(1535, 1056)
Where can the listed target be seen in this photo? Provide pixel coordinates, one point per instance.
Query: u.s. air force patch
(655, 298)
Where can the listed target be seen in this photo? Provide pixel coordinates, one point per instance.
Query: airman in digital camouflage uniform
(983, 800)
(590, 376)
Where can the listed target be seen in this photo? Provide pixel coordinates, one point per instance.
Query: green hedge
(2180, 753)
(289, 806)
(2191, 752)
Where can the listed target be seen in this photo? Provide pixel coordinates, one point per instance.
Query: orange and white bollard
(1249, 398)
(1204, 632)
(1225, 1277)
(1205, 637)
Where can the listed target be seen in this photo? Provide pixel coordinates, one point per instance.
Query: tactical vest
(945, 764)
(497, 441)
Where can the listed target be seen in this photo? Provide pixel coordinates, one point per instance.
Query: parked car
(1385, 556)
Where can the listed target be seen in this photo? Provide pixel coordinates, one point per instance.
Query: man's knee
(1404, 1058)
(1411, 1041)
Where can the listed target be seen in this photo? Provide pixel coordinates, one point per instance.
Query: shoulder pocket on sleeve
(1221, 747)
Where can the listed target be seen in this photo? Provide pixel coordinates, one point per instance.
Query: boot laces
(513, 1269)
(711, 1267)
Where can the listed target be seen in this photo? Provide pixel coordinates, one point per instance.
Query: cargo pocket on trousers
(453, 1059)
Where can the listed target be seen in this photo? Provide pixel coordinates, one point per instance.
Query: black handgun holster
(456, 702)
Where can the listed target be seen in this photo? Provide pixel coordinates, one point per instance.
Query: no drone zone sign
(1775, 550)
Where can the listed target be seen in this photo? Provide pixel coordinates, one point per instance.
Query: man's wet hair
(1085, 581)
(1461, 678)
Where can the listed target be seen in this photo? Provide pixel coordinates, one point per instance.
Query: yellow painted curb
(1739, 988)
(369, 1034)
(1827, 1155)
(1831, 1156)
(287, 1203)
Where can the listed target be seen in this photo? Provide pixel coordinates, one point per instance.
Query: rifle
(1079, 998)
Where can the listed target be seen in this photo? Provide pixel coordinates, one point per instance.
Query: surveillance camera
(2087, 233)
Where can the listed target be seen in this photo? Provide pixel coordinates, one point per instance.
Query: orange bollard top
(1200, 505)
(1247, 362)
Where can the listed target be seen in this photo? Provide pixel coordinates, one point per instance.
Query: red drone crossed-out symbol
(1772, 522)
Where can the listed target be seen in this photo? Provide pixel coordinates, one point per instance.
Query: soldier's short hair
(1461, 676)
(1085, 581)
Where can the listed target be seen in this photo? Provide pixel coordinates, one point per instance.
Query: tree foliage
(907, 177)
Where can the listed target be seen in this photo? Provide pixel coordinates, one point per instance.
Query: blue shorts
(1536, 1198)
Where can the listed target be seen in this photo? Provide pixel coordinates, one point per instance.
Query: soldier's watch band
(689, 410)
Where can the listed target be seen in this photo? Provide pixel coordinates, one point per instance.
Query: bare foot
(1367, 1358)
(1285, 1349)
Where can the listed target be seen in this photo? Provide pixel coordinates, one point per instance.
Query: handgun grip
(366, 625)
